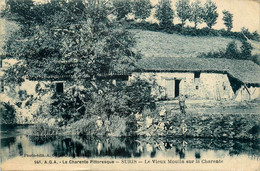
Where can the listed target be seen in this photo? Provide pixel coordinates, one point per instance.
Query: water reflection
(152, 147)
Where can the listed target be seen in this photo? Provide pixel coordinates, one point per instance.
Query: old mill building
(203, 78)
(198, 78)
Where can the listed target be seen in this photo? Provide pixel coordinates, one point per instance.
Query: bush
(232, 52)
(116, 126)
(252, 36)
(177, 28)
(255, 59)
(81, 107)
(131, 125)
(230, 126)
(193, 31)
(246, 50)
(86, 126)
(7, 113)
(139, 93)
(42, 129)
(189, 31)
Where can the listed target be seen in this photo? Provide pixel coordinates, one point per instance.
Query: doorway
(177, 88)
(170, 88)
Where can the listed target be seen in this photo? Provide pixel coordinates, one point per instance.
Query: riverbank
(203, 119)
(231, 126)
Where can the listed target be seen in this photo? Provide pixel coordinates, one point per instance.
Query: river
(15, 143)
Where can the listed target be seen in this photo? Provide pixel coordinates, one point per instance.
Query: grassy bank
(176, 45)
(231, 126)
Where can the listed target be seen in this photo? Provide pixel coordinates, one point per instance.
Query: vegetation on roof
(243, 70)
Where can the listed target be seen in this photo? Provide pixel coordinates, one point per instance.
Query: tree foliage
(7, 113)
(210, 13)
(21, 11)
(233, 52)
(196, 13)
(80, 42)
(183, 10)
(77, 40)
(141, 9)
(164, 13)
(121, 100)
(122, 8)
(246, 50)
(228, 19)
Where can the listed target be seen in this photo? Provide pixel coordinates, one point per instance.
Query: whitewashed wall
(208, 86)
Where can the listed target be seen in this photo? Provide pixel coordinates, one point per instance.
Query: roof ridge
(243, 70)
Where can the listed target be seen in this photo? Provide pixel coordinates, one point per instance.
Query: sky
(246, 13)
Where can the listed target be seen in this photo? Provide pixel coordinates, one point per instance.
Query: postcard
(129, 85)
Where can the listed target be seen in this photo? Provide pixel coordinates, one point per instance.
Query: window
(59, 87)
(197, 74)
(224, 86)
(197, 87)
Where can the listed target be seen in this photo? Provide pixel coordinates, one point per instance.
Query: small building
(202, 78)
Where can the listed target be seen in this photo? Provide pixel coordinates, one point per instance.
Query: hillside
(158, 44)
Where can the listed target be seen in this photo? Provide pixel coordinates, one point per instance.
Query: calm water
(15, 143)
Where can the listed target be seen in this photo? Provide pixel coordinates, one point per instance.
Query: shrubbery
(232, 126)
(196, 13)
(7, 113)
(232, 52)
(191, 31)
(43, 129)
(104, 109)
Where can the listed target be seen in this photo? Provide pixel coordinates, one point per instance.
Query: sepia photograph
(129, 85)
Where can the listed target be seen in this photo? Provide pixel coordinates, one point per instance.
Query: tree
(183, 10)
(77, 40)
(122, 8)
(210, 13)
(232, 51)
(164, 13)
(228, 19)
(196, 13)
(141, 9)
(256, 35)
(246, 50)
(21, 10)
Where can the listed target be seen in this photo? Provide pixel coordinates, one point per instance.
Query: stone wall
(207, 86)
